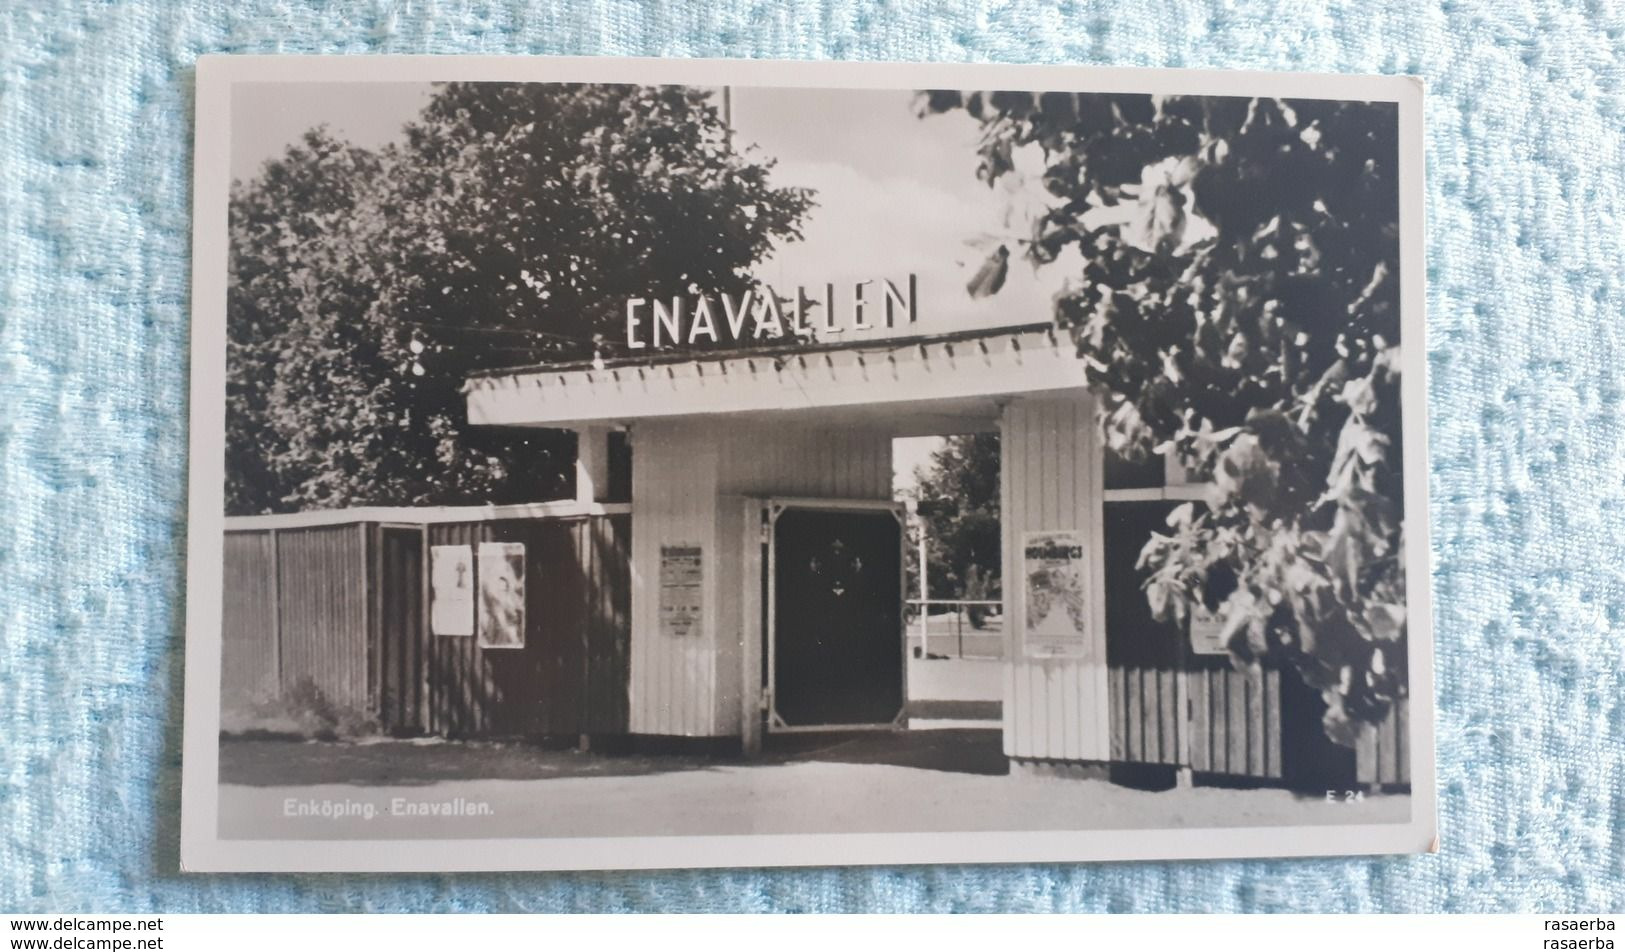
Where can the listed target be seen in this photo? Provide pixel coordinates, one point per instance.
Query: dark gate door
(838, 652)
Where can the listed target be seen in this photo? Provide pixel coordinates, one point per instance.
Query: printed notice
(502, 594)
(1207, 632)
(1052, 570)
(451, 589)
(682, 576)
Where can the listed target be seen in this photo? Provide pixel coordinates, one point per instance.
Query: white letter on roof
(632, 322)
(703, 322)
(894, 298)
(670, 320)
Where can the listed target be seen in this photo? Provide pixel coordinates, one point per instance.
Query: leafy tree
(509, 228)
(962, 533)
(283, 272)
(1237, 306)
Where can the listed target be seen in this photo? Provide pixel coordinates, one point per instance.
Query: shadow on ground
(283, 762)
(280, 763)
(964, 750)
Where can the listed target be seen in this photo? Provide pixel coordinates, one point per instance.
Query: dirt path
(279, 790)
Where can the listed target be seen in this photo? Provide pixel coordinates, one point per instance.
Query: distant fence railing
(951, 631)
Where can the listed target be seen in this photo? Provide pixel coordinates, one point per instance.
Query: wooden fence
(1173, 707)
(335, 606)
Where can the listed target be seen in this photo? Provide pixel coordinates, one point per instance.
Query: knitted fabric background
(1526, 314)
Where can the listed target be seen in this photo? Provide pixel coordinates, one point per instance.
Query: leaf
(1385, 620)
(989, 278)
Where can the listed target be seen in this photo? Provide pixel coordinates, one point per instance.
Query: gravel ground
(927, 781)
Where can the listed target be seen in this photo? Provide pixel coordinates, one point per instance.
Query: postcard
(615, 463)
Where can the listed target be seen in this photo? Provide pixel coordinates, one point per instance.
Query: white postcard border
(202, 850)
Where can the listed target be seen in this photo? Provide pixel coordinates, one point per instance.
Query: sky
(896, 194)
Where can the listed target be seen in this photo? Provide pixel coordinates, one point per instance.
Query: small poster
(682, 576)
(451, 589)
(502, 594)
(1054, 590)
(1207, 632)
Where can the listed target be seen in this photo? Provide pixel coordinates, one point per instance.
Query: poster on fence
(682, 601)
(502, 594)
(451, 589)
(1207, 631)
(1056, 625)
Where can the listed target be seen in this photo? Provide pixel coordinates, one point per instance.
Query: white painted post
(925, 594)
(592, 464)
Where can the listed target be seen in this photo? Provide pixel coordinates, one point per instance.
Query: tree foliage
(962, 534)
(1237, 306)
(508, 228)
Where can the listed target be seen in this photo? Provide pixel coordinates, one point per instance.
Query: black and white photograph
(629, 463)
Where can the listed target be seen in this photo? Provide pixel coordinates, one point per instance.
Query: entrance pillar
(592, 464)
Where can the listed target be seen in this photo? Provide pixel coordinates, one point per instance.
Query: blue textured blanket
(1526, 213)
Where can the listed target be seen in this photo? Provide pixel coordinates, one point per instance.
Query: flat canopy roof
(912, 383)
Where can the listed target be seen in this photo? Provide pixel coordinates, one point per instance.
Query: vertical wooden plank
(383, 658)
(1365, 755)
(1007, 710)
(248, 669)
(1119, 713)
(1150, 707)
(1198, 714)
(1094, 712)
(622, 526)
(1020, 697)
(1153, 715)
(1181, 716)
(1012, 588)
(1136, 715)
(1272, 723)
(1255, 722)
(371, 656)
(1049, 468)
(599, 698)
(1063, 684)
(460, 701)
(1037, 736)
(405, 590)
(1219, 720)
(469, 654)
(1156, 733)
(1068, 507)
(420, 632)
(1388, 750)
(1154, 707)
(276, 612)
(1167, 727)
(750, 612)
(623, 620)
(425, 657)
(1236, 723)
(1402, 733)
(1074, 695)
(445, 649)
(434, 657)
(1029, 721)
(595, 633)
